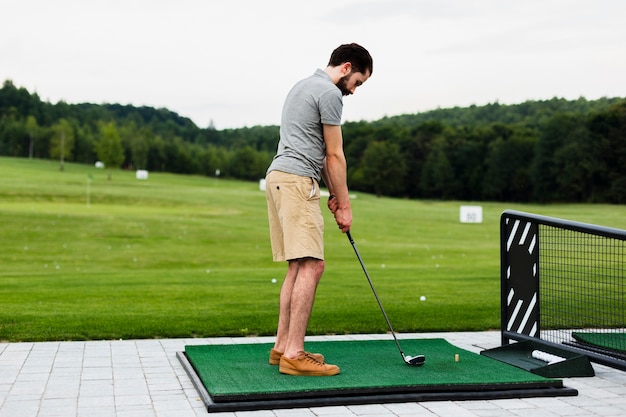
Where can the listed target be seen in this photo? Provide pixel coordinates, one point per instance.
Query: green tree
(109, 147)
(32, 128)
(177, 156)
(13, 137)
(467, 148)
(156, 154)
(576, 163)
(508, 164)
(544, 169)
(437, 180)
(415, 147)
(85, 144)
(384, 168)
(62, 142)
(608, 147)
(245, 163)
(139, 148)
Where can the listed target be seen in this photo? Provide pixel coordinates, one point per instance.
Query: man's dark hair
(355, 54)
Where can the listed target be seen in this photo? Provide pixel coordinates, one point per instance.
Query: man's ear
(346, 67)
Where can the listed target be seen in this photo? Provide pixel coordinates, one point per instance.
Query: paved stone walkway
(143, 378)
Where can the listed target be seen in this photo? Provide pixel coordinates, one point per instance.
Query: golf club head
(415, 360)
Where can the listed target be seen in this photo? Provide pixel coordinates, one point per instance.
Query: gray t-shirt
(311, 103)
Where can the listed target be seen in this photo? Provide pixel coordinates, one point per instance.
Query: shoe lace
(310, 358)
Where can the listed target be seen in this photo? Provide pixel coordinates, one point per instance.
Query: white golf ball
(273, 280)
(423, 298)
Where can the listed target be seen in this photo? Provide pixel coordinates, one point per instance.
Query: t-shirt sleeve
(331, 107)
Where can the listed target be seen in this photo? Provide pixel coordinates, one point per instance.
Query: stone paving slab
(137, 378)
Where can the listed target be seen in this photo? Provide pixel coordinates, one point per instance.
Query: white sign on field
(471, 214)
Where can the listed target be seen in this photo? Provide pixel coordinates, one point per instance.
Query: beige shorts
(295, 216)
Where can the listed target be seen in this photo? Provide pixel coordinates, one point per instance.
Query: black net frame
(578, 283)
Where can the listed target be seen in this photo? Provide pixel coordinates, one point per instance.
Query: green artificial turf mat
(606, 340)
(240, 373)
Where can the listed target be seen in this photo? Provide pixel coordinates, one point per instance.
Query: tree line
(538, 151)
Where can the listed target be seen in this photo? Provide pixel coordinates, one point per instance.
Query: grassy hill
(180, 256)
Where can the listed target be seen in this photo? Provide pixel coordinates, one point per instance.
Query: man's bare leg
(309, 272)
(285, 306)
(296, 303)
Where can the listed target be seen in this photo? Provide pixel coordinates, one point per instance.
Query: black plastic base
(458, 393)
(520, 355)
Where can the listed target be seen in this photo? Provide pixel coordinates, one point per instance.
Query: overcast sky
(231, 63)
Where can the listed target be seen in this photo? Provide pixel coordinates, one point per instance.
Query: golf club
(409, 360)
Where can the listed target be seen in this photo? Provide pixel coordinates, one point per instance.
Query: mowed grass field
(84, 258)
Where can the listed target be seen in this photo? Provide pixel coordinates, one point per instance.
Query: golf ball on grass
(273, 280)
(423, 298)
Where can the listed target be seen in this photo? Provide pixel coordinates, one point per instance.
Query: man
(310, 148)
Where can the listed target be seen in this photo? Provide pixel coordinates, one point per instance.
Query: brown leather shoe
(306, 365)
(276, 355)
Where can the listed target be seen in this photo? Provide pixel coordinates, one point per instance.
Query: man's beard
(342, 84)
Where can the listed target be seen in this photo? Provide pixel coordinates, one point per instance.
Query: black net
(581, 286)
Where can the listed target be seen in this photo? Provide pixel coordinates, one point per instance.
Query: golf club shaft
(375, 293)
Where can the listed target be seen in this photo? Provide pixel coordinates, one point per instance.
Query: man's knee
(319, 267)
(315, 266)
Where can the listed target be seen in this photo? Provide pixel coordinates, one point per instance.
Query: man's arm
(335, 176)
(332, 201)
